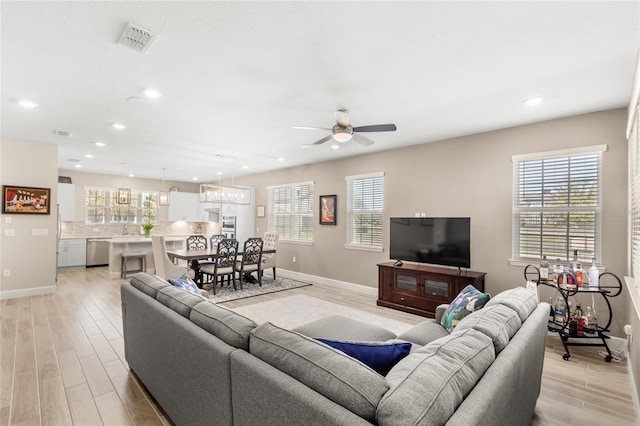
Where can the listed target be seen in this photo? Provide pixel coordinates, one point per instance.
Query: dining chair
(165, 268)
(269, 259)
(223, 264)
(213, 243)
(251, 258)
(196, 242)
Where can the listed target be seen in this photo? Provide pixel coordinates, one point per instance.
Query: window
(634, 194)
(291, 211)
(557, 204)
(365, 201)
(103, 209)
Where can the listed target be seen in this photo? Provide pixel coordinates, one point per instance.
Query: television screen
(436, 240)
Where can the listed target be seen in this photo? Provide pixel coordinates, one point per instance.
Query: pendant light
(123, 195)
(163, 196)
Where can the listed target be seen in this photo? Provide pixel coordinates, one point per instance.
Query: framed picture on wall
(328, 209)
(260, 211)
(26, 200)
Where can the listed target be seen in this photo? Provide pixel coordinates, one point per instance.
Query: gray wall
(467, 176)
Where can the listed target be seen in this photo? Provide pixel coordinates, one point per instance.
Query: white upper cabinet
(67, 201)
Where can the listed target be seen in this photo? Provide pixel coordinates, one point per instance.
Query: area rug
(295, 310)
(269, 285)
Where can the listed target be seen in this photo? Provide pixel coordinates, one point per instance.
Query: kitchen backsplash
(81, 229)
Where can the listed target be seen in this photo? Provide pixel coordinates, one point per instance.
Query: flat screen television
(435, 240)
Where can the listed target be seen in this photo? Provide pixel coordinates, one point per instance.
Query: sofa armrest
(440, 310)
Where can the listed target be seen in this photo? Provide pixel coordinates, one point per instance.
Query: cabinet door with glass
(407, 282)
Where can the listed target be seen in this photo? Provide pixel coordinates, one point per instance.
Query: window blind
(291, 211)
(634, 195)
(365, 203)
(557, 206)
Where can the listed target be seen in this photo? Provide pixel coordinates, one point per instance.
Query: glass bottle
(557, 272)
(544, 269)
(594, 275)
(577, 268)
(559, 311)
(591, 321)
(551, 309)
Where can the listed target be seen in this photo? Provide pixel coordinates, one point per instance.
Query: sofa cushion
(147, 283)
(498, 322)
(185, 283)
(425, 332)
(428, 385)
(228, 326)
(470, 299)
(178, 299)
(380, 356)
(337, 327)
(519, 299)
(340, 378)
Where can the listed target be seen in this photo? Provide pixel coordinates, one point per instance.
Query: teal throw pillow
(184, 282)
(469, 300)
(379, 356)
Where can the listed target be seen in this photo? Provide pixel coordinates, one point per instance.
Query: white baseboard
(632, 382)
(34, 291)
(313, 279)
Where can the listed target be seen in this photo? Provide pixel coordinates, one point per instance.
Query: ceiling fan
(343, 131)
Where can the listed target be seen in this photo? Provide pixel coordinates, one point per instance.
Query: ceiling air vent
(137, 38)
(64, 133)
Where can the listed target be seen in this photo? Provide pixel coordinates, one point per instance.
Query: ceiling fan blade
(362, 140)
(376, 128)
(310, 128)
(342, 118)
(323, 140)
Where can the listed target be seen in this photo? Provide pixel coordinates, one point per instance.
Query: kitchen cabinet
(67, 201)
(183, 206)
(72, 252)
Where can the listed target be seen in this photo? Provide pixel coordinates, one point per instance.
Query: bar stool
(133, 255)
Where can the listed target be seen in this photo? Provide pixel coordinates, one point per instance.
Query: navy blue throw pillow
(379, 356)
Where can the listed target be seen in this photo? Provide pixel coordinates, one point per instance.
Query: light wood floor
(62, 362)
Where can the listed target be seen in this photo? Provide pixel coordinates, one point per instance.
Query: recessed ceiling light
(100, 144)
(333, 147)
(194, 179)
(89, 155)
(152, 93)
(219, 173)
(79, 166)
(533, 101)
(27, 104)
(132, 175)
(118, 126)
(245, 167)
(281, 159)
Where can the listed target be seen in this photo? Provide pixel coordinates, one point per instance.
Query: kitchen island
(118, 245)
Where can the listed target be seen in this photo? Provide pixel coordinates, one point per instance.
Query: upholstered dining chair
(224, 263)
(269, 259)
(251, 258)
(165, 268)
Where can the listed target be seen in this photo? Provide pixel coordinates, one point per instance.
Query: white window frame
(142, 212)
(550, 249)
(634, 197)
(372, 207)
(293, 214)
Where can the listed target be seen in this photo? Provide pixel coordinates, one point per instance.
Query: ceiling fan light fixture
(342, 135)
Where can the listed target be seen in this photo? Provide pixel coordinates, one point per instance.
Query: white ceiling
(236, 76)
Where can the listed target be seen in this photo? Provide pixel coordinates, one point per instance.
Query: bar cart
(609, 286)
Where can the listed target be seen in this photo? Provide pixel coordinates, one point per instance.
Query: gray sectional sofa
(205, 364)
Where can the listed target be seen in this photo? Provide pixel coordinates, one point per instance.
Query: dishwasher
(98, 252)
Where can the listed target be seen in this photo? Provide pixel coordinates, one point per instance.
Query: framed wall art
(260, 211)
(328, 209)
(26, 200)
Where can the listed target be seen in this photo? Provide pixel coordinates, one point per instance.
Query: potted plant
(147, 227)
